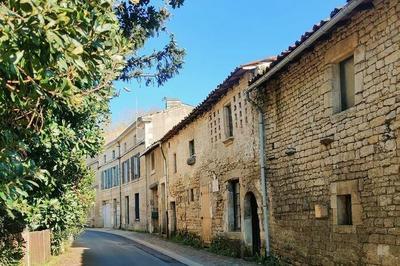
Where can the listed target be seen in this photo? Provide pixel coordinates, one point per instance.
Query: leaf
(17, 57)
(78, 50)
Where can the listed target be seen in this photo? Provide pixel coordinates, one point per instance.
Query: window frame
(127, 210)
(152, 161)
(347, 94)
(228, 121)
(192, 150)
(175, 163)
(137, 207)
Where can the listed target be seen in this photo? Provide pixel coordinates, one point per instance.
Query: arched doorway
(251, 224)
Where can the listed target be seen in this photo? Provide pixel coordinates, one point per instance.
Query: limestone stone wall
(219, 159)
(353, 152)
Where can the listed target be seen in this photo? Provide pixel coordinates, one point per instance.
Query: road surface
(104, 249)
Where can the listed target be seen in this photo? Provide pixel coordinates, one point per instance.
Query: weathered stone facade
(202, 160)
(354, 152)
(125, 205)
(333, 172)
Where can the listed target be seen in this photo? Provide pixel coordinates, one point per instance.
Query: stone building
(204, 173)
(121, 198)
(331, 103)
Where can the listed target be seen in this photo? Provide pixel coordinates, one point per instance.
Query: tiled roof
(214, 96)
(304, 38)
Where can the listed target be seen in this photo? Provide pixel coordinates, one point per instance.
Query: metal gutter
(263, 176)
(346, 10)
(166, 187)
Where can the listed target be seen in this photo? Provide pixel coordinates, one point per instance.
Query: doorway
(173, 218)
(206, 213)
(251, 224)
(107, 215)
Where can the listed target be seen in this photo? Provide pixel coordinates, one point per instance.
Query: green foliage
(226, 247)
(269, 261)
(58, 60)
(187, 238)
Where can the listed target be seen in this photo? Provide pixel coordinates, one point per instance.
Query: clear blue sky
(219, 35)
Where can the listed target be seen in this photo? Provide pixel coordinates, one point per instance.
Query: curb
(166, 252)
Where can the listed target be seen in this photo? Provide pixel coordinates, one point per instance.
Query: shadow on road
(105, 249)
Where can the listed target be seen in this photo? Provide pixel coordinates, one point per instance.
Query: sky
(219, 35)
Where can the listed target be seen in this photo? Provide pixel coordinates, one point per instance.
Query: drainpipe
(263, 177)
(166, 186)
(120, 185)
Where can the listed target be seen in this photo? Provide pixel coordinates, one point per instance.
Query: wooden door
(206, 213)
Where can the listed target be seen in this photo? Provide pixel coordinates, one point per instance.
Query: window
(344, 215)
(125, 171)
(137, 212)
(347, 80)
(102, 180)
(234, 205)
(113, 154)
(134, 140)
(152, 161)
(191, 194)
(228, 121)
(127, 210)
(346, 205)
(105, 158)
(125, 147)
(191, 148)
(135, 167)
(175, 164)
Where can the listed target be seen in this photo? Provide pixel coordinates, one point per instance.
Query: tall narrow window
(175, 164)
(137, 211)
(117, 176)
(191, 148)
(127, 170)
(123, 173)
(113, 154)
(347, 81)
(137, 166)
(133, 167)
(344, 213)
(105, 158)
(127, 210)
(152, 161)
(102, 180)
(234, 206)
(228, 121)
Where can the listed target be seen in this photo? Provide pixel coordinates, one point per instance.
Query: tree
(58, 59)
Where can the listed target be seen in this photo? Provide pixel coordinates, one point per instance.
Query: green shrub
(58, 61)
(187, 238)
(272, 260)
(226, 247)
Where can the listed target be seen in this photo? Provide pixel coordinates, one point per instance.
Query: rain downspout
(166, 187)
(263, 177)
(120, 185)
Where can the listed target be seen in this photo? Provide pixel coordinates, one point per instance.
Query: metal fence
(37, 247)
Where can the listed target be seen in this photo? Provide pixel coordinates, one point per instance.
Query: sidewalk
(184, 254)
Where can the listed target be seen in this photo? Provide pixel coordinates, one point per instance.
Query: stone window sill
(228, 141)
(344, 229)
(233, 234)
(340, 116)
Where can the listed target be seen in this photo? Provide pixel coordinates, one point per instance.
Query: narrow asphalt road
(103, 249)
